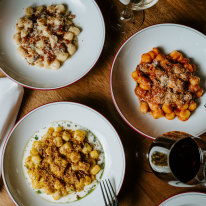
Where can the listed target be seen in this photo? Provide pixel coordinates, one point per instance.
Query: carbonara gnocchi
(47, 36)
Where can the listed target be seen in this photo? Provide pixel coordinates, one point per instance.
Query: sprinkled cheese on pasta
(46, 36)
(63, 162)
(166, 85)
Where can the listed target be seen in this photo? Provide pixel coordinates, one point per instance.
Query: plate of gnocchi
(55, 156)
(157, 84)
(49, 44)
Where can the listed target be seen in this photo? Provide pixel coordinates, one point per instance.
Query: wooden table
(140, 187)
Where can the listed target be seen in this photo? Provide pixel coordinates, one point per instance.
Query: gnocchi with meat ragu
(166, 85)
(46, 36)
(63, 162)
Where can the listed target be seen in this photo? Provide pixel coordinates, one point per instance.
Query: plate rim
(180, 194)
(114, 60)
(53, 103)
(79, 78)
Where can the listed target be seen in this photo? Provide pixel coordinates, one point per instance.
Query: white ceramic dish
(186, 199)
(168, 37)
(14, 180)
(145, 5)
(91, 41)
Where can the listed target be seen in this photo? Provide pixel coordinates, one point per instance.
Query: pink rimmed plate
(168, 37)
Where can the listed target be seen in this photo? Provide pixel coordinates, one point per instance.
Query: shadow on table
(1, 184)
(134, 146)
(198, 25)
(110, 15)
(110, 12)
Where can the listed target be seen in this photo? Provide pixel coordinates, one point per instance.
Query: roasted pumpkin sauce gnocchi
(166, 85)
(47, 36)
(63, 162)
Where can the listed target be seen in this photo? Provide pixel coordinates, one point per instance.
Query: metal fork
(109, 196)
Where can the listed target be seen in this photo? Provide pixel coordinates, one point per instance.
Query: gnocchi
(44, 36)
(166, 85)
(62, 162)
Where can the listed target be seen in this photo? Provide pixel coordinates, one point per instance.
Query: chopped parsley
(36, 137)
(102, 165)
(68, 125)
(95, 139)
(38, 192)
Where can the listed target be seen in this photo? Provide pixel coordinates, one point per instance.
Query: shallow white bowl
(91, 41)
(186, 199)
(18, 188)
(168, 37)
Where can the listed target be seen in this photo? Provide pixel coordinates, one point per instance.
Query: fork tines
(109, 196)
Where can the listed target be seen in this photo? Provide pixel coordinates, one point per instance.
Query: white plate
(168, 37)
(186, 199)
(16, 185)
(91, 41)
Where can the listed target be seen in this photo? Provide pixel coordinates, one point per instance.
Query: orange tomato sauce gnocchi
(166, 85)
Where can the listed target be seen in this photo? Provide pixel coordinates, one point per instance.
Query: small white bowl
(141, 6)
(91, 41)
(17, 186)
(146, 5)
(168, 37)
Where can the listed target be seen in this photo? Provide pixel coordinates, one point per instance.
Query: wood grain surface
(140, 187)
